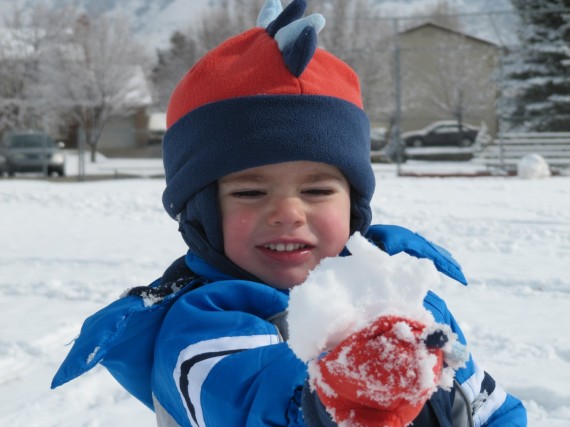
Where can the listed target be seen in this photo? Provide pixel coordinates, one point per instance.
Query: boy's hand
(381, 375)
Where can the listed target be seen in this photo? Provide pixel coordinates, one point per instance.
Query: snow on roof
(137, 90)
(157, 122)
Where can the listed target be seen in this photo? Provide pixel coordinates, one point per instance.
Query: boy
(267, 172)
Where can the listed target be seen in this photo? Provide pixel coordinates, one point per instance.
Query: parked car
(442, 133)
(377, 138)
(31, 151)
(385, 150)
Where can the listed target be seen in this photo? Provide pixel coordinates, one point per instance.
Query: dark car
(443, 133)
(377, 138)
(383, 149)
(31, 151)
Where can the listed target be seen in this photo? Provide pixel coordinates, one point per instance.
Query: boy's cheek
(235, 227)
(233, 216)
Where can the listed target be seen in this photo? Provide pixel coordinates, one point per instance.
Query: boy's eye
(318, 192)
(247, 194)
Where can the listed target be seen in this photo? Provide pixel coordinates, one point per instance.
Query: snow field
(69, 248)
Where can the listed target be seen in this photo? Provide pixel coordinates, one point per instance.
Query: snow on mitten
(381, 375)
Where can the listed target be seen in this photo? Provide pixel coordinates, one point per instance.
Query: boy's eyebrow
(323, 176)
(242, 178)
(255, 178)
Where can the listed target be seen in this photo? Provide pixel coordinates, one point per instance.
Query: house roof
(137, 92)
(157, 121)
(449, 30)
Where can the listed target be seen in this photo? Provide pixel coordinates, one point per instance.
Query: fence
(507, 150)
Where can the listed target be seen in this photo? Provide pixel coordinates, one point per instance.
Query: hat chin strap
(201, 228)
(360, 213)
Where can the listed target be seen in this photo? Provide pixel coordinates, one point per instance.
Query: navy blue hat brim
(240, 133)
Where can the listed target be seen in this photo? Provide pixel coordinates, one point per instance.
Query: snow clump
(343, 295)
(533, 166)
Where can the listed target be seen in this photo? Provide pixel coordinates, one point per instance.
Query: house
(446, 74)
(127, 135)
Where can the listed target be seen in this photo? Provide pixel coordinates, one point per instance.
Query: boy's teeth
(285, 247)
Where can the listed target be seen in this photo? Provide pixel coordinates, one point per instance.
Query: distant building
(128, 134)
(447, 74)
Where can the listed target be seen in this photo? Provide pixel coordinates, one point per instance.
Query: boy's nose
(287, 211)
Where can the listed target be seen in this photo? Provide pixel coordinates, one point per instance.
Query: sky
(69, 248)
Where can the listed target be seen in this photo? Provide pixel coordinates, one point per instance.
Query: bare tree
(26, 40)
(94, 74)
(461, 82)
(459, 78)
(16, 54)
(14, 63)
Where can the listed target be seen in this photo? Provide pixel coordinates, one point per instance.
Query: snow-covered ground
(66, 249)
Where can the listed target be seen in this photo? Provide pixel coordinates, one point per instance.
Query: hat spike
(292, 31)
(296, 36)
(269, 12)
(292, 12)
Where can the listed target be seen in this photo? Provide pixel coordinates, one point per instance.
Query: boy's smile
(280, 220)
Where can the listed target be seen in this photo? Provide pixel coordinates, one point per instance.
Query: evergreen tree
(537, 73)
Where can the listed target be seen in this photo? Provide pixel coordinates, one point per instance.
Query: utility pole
(500, 104)
(398, 97)
(81, 156)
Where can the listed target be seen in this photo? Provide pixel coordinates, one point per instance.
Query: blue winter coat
(205, 349)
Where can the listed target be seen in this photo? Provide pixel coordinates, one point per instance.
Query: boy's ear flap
(360, 213)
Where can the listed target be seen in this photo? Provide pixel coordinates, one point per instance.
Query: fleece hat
(265, 96)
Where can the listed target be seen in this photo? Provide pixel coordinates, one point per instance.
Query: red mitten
(381, 375)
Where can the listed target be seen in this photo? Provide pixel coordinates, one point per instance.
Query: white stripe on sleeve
(485, 395)
(197, 360)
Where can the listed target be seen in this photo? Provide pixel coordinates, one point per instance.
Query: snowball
(533, 166)
(342, 295)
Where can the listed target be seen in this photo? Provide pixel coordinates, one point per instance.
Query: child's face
(281, 220)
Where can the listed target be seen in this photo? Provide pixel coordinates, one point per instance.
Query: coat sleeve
(218, 362)
(486, 403)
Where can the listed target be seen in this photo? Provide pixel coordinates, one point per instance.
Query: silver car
(31, 151)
